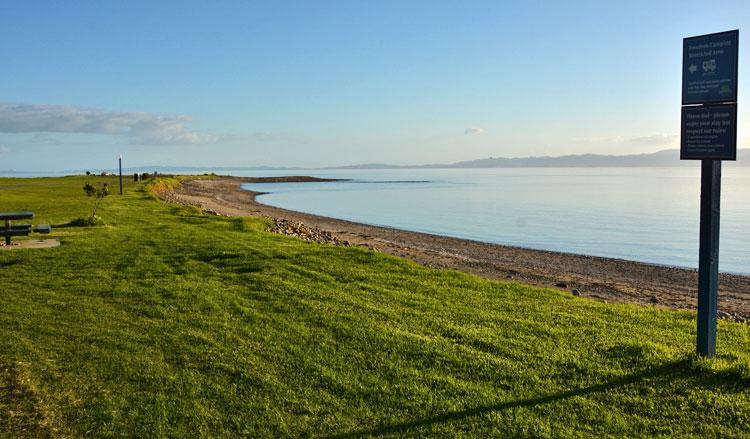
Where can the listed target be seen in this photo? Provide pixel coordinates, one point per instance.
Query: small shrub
(98, 194)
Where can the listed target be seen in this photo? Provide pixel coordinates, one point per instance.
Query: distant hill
(664, 158)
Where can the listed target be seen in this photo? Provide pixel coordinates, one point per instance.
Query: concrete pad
(30, 243)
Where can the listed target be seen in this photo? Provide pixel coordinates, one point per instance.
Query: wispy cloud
(138, 127)
(4, 150)
(651, 139)
(600, 139)
(473, 131)
(655, 139)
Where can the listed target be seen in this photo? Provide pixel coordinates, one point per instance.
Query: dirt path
(610, 280)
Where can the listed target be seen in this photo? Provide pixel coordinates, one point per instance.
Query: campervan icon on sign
(709, 65)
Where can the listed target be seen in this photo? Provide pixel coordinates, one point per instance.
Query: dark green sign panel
(709, 68)
(709, 132)
(709, 97)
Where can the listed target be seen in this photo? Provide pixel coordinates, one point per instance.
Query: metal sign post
(709, 133)
(708, 257)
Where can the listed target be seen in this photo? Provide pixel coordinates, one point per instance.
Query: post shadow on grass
(683, 369)
(80, 222)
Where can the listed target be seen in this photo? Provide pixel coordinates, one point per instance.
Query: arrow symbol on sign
(693, 68)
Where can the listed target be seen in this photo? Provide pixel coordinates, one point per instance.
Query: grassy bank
(168, 322)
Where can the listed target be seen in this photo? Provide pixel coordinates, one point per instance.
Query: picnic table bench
(22, 229)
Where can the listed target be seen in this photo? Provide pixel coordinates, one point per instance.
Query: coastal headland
(603, 279)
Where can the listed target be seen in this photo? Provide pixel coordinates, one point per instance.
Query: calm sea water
(642, 214)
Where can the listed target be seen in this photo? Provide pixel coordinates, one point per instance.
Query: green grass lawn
(168, 322)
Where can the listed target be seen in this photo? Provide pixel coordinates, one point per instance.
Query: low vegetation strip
(165, 321)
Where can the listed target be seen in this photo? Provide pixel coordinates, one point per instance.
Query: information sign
(709, 68)
(709, 132)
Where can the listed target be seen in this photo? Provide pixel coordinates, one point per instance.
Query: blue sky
(333, 83)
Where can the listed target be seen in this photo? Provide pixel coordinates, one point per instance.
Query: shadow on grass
(9, 263)
(20, 413)
(66, 225)
(78, 222)
(683, 370)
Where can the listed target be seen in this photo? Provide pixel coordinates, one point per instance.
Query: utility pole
(120, 174)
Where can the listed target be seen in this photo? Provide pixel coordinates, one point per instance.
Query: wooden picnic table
(19, 230)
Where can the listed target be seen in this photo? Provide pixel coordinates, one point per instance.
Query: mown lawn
(170, 323)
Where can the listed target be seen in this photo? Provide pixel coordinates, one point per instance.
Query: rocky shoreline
(603, 279)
